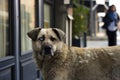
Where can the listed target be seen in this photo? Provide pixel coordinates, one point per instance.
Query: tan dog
(57, 62)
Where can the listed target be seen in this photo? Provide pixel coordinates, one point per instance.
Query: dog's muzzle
(47, 50)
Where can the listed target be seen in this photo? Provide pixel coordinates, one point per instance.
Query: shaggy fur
(75, 63)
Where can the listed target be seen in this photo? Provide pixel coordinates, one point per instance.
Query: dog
(57, 61)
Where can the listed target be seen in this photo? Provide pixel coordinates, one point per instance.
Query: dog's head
(47, 41)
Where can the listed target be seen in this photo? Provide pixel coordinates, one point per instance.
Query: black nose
(47, 49)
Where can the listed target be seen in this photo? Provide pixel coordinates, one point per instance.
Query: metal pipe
(91, 18)
(41, 13)
(17, 40)
(85, 39)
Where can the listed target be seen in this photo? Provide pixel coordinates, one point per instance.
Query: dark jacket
(107, 20)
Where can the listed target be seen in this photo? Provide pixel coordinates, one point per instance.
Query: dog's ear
(34, 33)
(60, 34)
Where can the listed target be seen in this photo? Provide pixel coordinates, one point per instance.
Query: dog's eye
(53, 39)
(42, 38)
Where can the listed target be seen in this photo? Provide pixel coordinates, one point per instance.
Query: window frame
(14, 65)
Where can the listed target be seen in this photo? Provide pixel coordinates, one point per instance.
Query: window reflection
(27, 23)
(46, 15)
(4, 28)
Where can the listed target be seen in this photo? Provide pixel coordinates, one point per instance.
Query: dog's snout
(47, 48)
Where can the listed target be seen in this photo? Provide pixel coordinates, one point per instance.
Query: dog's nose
(47, 49)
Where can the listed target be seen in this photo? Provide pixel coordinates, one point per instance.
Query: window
(4, 28)
(27, 23)
(47, 15)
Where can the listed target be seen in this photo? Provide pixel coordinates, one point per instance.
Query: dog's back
(96, 63)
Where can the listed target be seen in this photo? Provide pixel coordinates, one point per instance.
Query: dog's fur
(58, 62)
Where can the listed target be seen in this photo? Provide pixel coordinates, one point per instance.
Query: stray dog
(58, 62)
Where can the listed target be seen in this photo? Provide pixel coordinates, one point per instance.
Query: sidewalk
(96, 44)
(100, 41)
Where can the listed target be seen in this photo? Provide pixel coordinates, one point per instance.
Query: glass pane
(46, 15)
(27, 23)
(4, 34)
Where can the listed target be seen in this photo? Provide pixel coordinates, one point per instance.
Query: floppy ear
(60, 34)
(34, 33)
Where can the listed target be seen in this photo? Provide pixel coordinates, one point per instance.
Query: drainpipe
(17, 40)
(91, 18)
(40, 24)
(69, 18)
(41, 13)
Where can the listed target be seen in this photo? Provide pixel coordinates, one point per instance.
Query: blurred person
(110, 24)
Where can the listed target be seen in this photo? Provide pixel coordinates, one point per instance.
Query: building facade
(17, 17)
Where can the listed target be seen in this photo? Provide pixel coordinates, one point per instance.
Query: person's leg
(112, 38)
(108, 36)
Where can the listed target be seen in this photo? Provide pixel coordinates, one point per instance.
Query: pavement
(100, 41)
(96, 44)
